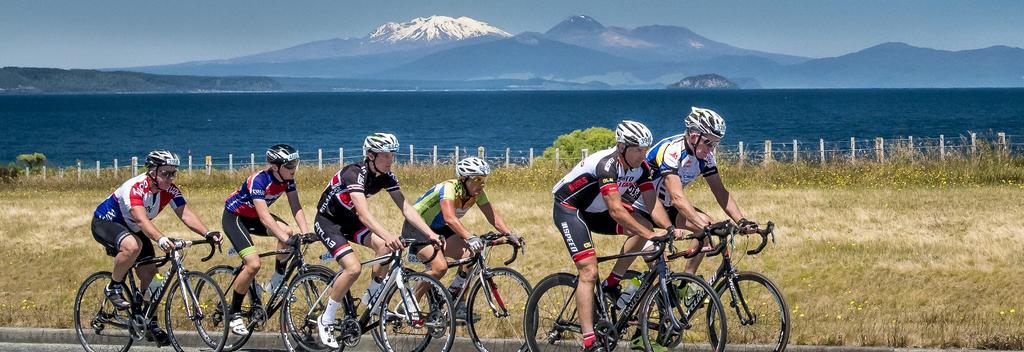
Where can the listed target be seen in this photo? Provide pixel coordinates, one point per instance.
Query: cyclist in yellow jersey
(441, 207)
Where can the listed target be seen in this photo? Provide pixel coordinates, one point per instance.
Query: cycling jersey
(137, 191)
(336, 201)
(429, 204)
(600, 174)
(670, 156)
(259, 185)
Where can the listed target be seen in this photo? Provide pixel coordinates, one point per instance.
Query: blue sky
(119, 33)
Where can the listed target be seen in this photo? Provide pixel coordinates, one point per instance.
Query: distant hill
(29, 80)
(705, 81)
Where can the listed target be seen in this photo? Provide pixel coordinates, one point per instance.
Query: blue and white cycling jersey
(669, 156)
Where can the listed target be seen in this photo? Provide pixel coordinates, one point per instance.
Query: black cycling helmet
(281, 154)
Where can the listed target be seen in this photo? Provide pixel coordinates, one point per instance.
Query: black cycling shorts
(576, 225)
(239, 230)
(336, 235)
(110, 234)
(410, 232)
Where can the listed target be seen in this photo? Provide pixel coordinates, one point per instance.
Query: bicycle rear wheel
(550, 322)
(189, 312)
(432, 328)
(756, 312)
(694, 304)
(500, 303)
(100, 327)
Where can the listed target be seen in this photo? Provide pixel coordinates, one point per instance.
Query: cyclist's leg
(280, 263)
(634, 242)
(456, 247)
(576, 235)
(376, 243)
(238, 230)
(332, 236)
(119, 243)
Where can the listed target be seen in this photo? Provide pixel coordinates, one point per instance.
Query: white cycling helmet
(158, 158)
(472, 166)
(633, 133)
(380, 143)
(705, 121)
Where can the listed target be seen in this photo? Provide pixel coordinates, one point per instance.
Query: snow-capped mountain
(434, 29)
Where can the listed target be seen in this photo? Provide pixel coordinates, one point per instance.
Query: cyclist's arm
(679, 200)
(725, 199)
(411, 215)
(622, 216)
(147, 226)
(300, 216)
(363, 212)
(263, 212)
(191, 220)
(452, 220)
(494, 218)
(661, 220)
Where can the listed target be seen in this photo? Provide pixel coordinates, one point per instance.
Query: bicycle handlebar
(769, 230)
(492, 239)
(410, 242)
(182, 244)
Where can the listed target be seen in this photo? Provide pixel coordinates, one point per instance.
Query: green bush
(593, 139)
(33, 160)
(9, 172)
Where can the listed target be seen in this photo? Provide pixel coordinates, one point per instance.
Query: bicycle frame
(276, 300)
(479, 274)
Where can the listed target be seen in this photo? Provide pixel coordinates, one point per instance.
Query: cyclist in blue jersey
(247, 212)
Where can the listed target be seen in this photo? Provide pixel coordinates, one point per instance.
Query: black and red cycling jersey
(598, 174)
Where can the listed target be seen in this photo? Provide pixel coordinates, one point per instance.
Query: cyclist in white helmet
(679, 160)
(442, 207)
(343, 216)
(597, 196)
(123, 225)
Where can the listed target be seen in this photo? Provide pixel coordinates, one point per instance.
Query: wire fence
(760, 152)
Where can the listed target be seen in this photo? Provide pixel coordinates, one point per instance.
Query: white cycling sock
(329, 313)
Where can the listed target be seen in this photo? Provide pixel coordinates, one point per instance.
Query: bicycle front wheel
(188, 311)
(99, 325)
(224, 276)
(409, 323)
(495, 311)
(756, 311)
(695, 307)
(304, 302)
(550, 322)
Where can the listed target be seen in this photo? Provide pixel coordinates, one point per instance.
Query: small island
(704, 81)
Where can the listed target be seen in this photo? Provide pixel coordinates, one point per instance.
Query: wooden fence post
(455, 159)
(433, 156)
(974, 140)
(481, 153)
(319, 159)
(97, 169)
(1002, 141)
(821, 149)
(44, 172)
(768, 157)
(531, 156)
(209, 165)
(135, 165)
(796, 151)
(412, 155)
(79, 163)
(880, 149)
(585, 152)
(252, 162)
(853, 149)
(743, 156)
(507, 157)
(942, 147)
(341, 156)
(231, 162)
(115, 168)
(558, 156)
(189, 164)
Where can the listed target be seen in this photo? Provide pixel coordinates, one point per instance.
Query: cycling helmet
(705, 121)
(633, 133)
(472, 166)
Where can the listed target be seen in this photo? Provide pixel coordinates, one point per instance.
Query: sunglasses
(291, 165)
(478, 179)
(168, 174)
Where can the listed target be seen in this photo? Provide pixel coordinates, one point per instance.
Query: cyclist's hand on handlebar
(393, 243)
(516, 240)
(293, 241)
(679, 234)
(475, 243)
(165, 243)
(437, 239)
(214, 235)
(747, 226)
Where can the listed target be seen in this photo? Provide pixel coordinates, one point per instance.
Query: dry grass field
(903, 254)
